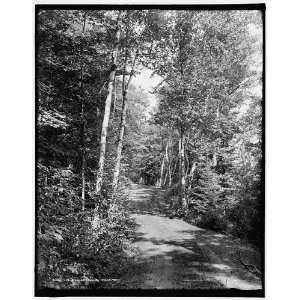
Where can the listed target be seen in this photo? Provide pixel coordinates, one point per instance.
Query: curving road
(173, 254)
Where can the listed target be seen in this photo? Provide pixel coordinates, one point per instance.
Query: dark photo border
(47, 292)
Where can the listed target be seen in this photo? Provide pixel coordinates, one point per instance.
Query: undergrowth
(80, 249)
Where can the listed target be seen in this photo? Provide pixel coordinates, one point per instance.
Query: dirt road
(173, 254)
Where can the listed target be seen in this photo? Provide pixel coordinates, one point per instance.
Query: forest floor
(172, 254)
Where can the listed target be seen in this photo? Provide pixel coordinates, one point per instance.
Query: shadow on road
(173, 254)
(149, 200)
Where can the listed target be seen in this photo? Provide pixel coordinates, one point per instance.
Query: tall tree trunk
(182, 171)
(167, 175)
(173, 170)
(125, 88)
(164, 183)
(218, 112)
(161, 171)
(83, 152)
(105, 121)
(214, 160)
(99, 114)
(122, 127)
(165, 158)
(191, 175)
(170, 172)
(114, 99)
(83, 161)
(83, 164)
(187, 162)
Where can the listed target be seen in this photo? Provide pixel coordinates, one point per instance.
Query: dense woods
(200, 139)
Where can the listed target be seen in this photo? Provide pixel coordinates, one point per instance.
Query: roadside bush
(77, 248)
(248, 221)
(213, 220)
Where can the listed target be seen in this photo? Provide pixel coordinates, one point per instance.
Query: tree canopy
(97, 132)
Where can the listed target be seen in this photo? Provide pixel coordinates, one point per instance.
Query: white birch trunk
(123, 123)
(182, 171)
(105, 121)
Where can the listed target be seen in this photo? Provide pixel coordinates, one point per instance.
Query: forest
(194, 141)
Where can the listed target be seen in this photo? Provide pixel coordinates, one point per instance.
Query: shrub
(213, 220)
(76, 247)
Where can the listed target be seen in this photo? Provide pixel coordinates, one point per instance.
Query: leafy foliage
(211, 92)
(209, 100)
